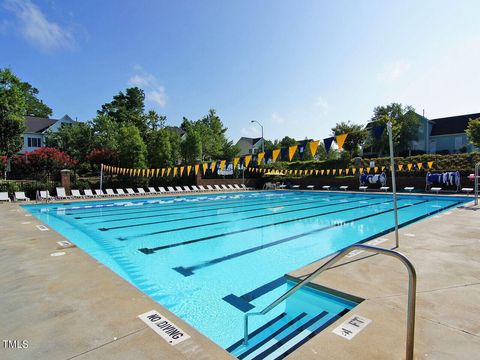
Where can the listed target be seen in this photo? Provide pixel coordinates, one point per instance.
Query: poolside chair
(246, 187)
(224, 188)
(151, 190)
(109, 192)
(201, 188)
(295, 187)
(76, 194)
(230, 187)
(435, 189)
(61, 193)
(89, 193)
(20, 196)
(141, 191)
(194, 188)
(179, 189)
(99, 192)
(467, 190)
(171, 189)
(217, 188)
(343, 187)
(363, 188)
(409, 188)
(44, 195)
(131, 192)
(210, 188)
(385, 188)
(162, 190)
(4, 196)
(310, 187)
(281, 186)
(186, 188)
(120, 192)
(236, 187)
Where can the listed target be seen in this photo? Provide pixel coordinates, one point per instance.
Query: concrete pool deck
(72, 306)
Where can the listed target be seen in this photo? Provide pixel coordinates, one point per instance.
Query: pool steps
(283, 334)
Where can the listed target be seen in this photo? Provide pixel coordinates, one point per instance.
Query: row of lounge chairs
(88, 193)
(383, 188)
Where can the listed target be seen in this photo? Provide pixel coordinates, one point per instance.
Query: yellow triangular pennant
(189, 169)
(340, 140)
(275, 154)
(430, 164)
(213, 165)
(260, 157)
(375, 169)
(196, 167)
(291, 152)
(182, 169)
(419, 165)
(235, 162)
(409, 166)
(354, 170)
(169, 170)
(400, 167)
(204, 168)
(313, 145)
(247, 160)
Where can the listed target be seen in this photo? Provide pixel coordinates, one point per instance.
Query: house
(37, 128)
(182, 133)
(248, 145)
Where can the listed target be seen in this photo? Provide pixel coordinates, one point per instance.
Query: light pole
(394, 185)
(263, 140)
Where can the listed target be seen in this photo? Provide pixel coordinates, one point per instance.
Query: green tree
(128, 108)
(405, 126)
(12, 111)
(34, 106)
(287, 141)
(160, 149)
(75, 139)
(176, 147)
(192, 146)
(473, 132)
(105, 132)
(356, 136)
(132, 148)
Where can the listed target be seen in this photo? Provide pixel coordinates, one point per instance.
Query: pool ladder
(412, 286)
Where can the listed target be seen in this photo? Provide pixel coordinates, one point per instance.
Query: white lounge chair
(201, 188)
(467, 190)
(210, 188)
(141, 191)
(218, 188)
(186, 188)
(243, 186)
(310, 187)
(162, 190)
(363, 188)
(131, 192)
(237, 187)
(436, 189)
(179, 189)
(224, 187)
(99, 192)
(109, 192)
(343, 187)
(194, 188)
(385, 188)
(20, 196)
(281, 186)
(409, 188)
(44, 195)
(61, 193)
(152, 190)
(171, 189)
(295, 187)
(231, 187)
(4, 196)
(120, 192)
(76, 194)
(89, 193)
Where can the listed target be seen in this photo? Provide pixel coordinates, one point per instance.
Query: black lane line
(148, 251)
(188, 271)
(177, 206)
(274, 202)
(220, 222)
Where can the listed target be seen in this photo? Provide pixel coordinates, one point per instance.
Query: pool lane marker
(189, 270)
(42, 228)
(187, 242)
(352, 327)
(374, 242)
(218, 222)
(167, 330)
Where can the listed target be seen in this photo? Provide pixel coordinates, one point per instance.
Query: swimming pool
(210, 258)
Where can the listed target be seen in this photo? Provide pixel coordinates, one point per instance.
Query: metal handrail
(477, 165)
(412, 286)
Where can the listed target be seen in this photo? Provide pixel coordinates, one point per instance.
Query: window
(34, 142)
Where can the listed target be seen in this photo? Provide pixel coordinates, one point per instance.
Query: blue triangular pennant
(328, 143)
(378, 131)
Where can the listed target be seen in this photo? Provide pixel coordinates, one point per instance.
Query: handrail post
(412, 291)
(477, 165)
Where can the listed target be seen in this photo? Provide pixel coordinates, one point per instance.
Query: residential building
(37, 129)
(250, 146)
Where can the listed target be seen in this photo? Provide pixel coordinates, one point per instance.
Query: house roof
(177, 129)
(251, 141)
(37, 124)
(452, 124)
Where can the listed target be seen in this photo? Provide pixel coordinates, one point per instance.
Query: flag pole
(394, 185)
(101, 176)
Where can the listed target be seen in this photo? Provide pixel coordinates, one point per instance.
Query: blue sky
(296, 66)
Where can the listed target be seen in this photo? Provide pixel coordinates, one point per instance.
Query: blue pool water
(210, 258)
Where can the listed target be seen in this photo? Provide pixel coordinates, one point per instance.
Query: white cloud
(154, 91)
(250, 131)
(277, 119)
(394, 71)
(37, 29)
(322, 105)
